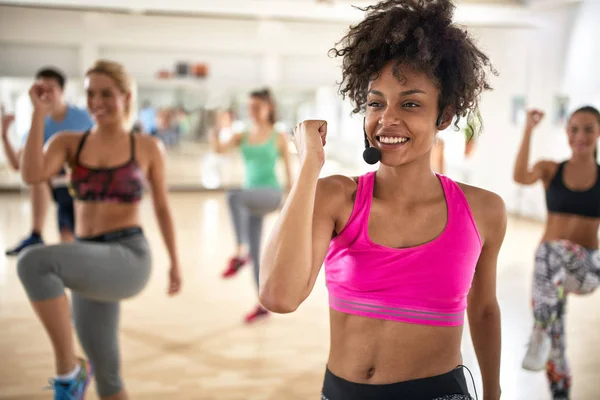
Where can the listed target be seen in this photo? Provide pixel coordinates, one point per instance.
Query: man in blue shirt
(62, 117)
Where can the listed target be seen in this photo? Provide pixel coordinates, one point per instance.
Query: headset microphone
(371, 155)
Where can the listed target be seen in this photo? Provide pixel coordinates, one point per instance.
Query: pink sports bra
(426, 284)
(120, 184)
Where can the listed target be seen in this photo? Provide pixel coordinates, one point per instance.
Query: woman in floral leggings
(567, 260)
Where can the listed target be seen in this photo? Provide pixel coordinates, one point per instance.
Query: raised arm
(522, 173)
(12, 156)
(39, 164)
(298, 243)
(220, 147)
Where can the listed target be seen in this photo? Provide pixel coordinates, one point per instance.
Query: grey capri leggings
(100, 271)
(248, 208)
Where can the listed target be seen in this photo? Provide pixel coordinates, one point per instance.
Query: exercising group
(407, 252)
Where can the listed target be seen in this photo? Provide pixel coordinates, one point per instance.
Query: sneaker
(234, 266)
(256, 315)
(538, 352)
(30, 241)
(75, 388)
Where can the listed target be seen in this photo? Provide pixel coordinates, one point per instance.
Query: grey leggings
(248, 208)
(99, 274)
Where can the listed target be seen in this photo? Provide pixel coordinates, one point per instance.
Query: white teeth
(392, 140)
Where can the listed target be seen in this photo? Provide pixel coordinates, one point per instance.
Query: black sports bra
(562, 200)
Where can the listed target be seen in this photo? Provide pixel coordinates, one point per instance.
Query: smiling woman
(403, 247)
(567, 259)
(110, 260)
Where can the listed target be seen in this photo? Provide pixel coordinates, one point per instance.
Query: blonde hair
(122, 79)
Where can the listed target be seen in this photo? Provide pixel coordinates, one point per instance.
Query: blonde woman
(110, 260)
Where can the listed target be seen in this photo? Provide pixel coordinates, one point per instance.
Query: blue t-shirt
(76, 119)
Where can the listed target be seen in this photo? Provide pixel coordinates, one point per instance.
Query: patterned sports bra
(121, 184)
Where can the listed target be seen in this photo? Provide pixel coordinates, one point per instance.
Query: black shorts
(449, 386)
(64, 209)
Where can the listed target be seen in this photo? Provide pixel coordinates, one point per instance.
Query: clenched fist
(534, 117)
(309, 138)
(41, 96)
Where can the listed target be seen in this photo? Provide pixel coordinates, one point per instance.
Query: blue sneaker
(75, 388)
(30, 241)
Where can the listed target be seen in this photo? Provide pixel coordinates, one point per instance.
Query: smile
(391, 140)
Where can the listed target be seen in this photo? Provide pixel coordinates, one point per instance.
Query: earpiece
(371, 155)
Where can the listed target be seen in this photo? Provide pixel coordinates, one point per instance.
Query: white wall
(582, 77)
(491, 167)
(238, 51)
(530, 63)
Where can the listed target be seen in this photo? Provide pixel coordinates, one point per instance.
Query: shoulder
(65, 141)
(547, 164)
(66, 137)
(336, 190)
(479, 198)
(149, 144)
(338, 182)
(547, 167)
(488, 209)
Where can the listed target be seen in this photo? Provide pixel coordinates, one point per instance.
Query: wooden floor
(195, 346)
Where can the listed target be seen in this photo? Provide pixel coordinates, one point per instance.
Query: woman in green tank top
(261, 147)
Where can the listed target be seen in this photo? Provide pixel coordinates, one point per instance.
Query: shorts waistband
(451, 383)
(114, 235)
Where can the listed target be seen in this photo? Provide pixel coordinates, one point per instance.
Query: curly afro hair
(421, 34)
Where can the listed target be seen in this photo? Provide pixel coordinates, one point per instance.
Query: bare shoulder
(547, 164)
(337, 184)
(66, 141)
(488, 208)
(67, 136)
(547, 169)
(149, 144)
(336, 190)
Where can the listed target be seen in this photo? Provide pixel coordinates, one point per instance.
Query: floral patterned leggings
(561, 267)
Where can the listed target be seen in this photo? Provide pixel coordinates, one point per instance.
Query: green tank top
(261, 161)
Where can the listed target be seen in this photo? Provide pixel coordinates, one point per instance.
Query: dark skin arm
(483, 310)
